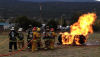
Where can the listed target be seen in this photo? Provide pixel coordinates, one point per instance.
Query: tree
(97, 25)
(36, 23)
(64, 23)
(75, 17)
(52, 23)
(23, 22)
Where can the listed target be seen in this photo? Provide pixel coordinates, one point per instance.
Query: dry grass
(59, 51)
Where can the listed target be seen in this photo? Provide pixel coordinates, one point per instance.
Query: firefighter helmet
(38, 29)
(12, 28)
(20, 29)
(34, 29)
(52, 29)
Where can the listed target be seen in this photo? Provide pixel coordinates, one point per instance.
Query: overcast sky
(61, 0)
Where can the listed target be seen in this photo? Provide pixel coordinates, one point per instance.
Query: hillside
(50, 9)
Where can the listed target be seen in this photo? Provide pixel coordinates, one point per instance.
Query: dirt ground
(92, 50)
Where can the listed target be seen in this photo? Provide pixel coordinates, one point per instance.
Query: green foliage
(64, 23)
(23, 22)
(2, 20)
(97, 25)
(35, 23)
(75, 17)
(52, 23)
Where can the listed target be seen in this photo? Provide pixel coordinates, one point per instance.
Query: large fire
(79, 31)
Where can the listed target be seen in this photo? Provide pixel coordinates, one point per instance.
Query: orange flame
(82, 27)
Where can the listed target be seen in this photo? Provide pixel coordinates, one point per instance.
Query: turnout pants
(52, 41)
(39, 44)
(47, 43)
(11, 44)
(20, 44)
(34, 45)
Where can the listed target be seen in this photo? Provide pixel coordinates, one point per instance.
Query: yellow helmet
(38, 29)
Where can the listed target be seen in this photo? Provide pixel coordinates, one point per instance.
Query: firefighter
(20, 39)
(52, 39)
(12, 39)
(29, 36)
(39, 43)
(34, 40)
(47, 38)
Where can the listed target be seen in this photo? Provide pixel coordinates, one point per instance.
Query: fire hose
(15, 52)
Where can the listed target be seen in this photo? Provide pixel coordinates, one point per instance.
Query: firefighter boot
(10, 50)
